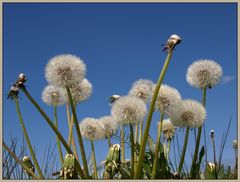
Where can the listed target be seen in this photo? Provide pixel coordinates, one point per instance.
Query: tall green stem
(155, 161)
(20, 162)
(194, 160)
(94, 160)
(109, 142)
(183, 152)
(78, 133)
(58, 142)
(122, 144)
(168, 148)
(132, 149)
(50, 123)
(150, 113)
(140, 132)
(214, 158)
(28, 140)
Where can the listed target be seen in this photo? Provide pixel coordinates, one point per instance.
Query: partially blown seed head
(65, 70)
(109, 125)
(204, 73)
(129, 109)
(189, 113)
(168, 129)
(53, 95)
(90, 129)
(142, 89)
(167, 99)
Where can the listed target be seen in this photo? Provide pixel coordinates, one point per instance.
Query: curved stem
(183, 151)
(150, 113)
(94, 160)
(28, 140)
(122, 144)
(194, 160)
(155, 161)
(84, 160)
(132, 149)
(58, 142)
(52, 126)
(20, 162)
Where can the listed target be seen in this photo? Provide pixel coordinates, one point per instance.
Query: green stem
(132, 149)
(168, 148)
(94, 160)
(150, 113)
(52, 126)
(28, 140)
(109, 141)
(122, 144)
(20, 162)
(183, 152)
(214, 158)
(84, 160)
(140, 132)
(194, 160)
(155, 161)
(58, 142)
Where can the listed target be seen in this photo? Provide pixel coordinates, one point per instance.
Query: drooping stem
(155, 161)
(194, 160)
(20, 162)
(183, 151)
(150, 113)
(58, 142)
(132, 150)
(28, 140)
(50, 123)
(122, 144)
(84, 160)
(94, 160)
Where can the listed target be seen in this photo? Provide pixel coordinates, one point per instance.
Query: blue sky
(119, 43)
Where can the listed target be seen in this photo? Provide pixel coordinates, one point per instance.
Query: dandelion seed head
(204, 73)
(82, 91)
(109, 125)
(90, 129)
(65, 70)
(168, 97)
(189, 113)
(53, 95)
(129, 109)
(142, 89)
(168, 129)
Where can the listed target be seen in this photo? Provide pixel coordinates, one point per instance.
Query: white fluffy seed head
(90, 129)
(65, 70)
(168, 129)
(82, 91)
(204, 73)
(109, 125)
(129, 109)
(189, 113)
(168, 98)
(53, 95)
(142, 89)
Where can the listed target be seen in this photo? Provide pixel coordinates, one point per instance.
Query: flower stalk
(122, 144)
(132, 149)
(94, 160)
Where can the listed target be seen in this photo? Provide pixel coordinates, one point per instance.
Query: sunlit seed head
(174, 39)
(142, 89)
(129, 109)
(212, 133)
(204, 74)
(65, 70)
(189, 113)
(108, 125)
(235, 144)
(21, 78)
(168, 129)
(90, 129)
(168, 97)
(53, 95)
(82, 91)
(26, 159)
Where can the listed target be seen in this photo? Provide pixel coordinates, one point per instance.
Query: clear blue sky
(119, 43)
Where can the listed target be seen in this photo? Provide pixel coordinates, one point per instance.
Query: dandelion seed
(129, 109)
(90, 129)
(168, 129)
(189, 113)
(109, 125)
(142, 89)
(53, 95)
(82, 91)
(65, 70)
(168, 98)
(204, 73)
